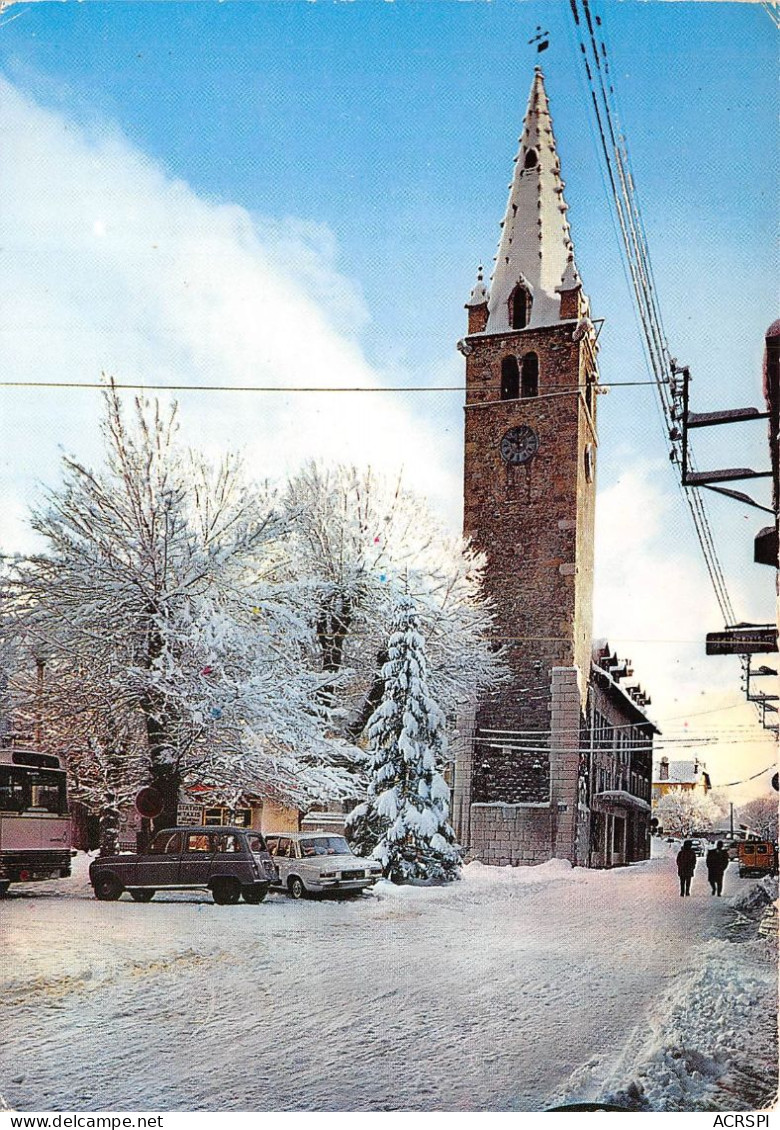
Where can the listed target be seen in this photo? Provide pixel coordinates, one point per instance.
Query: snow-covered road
(515, 989)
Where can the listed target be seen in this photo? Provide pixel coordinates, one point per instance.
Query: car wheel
(108, 888)
(296, 888)
(142, 896)
(4, 888)
(254, 895)
(226, 892)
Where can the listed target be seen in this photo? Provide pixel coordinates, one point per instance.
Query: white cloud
(110, 265)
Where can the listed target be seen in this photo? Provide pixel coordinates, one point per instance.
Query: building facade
(521, 785)
(620, 764)
(680, 777)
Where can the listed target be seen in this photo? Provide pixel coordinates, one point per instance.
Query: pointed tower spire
(535, 254)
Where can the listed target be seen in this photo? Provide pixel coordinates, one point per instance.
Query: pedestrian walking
(717, 862)
(686, 865)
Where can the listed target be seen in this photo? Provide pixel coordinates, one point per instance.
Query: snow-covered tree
(357, 542)
(684, 812)
(760, 816)
(158, 602)
(405, 818)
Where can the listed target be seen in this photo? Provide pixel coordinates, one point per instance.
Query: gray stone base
(504, 834)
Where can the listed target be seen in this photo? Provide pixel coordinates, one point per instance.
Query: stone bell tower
(529, 500)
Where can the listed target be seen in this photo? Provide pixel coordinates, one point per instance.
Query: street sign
(189, 814)
(149, 802)
(746, 639)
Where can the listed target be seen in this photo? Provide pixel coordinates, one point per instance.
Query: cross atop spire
(535, 261)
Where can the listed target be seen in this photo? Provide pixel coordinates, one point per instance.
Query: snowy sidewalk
(514, 989)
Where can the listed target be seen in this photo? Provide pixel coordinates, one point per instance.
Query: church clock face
(519, 445)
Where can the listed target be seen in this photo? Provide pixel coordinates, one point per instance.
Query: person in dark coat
(686, 865)
(717, 862)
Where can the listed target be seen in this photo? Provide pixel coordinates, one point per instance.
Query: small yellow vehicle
(757, 857)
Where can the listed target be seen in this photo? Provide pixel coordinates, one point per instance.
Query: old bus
(34, 822)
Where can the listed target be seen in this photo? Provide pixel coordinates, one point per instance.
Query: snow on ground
(514, 989)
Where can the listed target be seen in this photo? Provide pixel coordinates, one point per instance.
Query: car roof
(201, 828)
(303, 835)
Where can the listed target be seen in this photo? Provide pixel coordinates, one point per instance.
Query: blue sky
(266, 192)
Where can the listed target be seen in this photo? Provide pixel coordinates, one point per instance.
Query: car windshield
(324, 845)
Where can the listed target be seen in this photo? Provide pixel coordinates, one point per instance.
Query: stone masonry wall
(567, 765)
(535, 524)
(504, 834)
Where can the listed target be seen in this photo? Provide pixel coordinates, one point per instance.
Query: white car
(319, 862)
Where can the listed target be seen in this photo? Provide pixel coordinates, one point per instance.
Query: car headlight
(328, 874)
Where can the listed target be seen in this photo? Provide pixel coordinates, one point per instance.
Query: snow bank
(479, 879)
(695, 1055)
(753, 900)
(552, 870)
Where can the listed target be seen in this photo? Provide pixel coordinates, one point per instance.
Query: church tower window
(510, 379)
(519, 307)
(530, 159)
(530, 381)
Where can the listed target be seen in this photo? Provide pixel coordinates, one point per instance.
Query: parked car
(697, 846)
(319, 862)
(232, 863)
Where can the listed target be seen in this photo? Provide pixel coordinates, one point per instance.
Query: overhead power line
(297, 388)
(772, 11)
(625, 202)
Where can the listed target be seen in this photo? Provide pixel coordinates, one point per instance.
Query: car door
(197, 857)
(159, 867)
(284, 858)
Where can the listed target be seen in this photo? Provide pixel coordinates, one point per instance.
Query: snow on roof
(621, 797)
(571, 276)
(681, 772)
(479, 292)
(604, 663)
(535, 245)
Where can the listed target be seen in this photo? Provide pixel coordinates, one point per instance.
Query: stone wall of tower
(531, 832)
(535, 524)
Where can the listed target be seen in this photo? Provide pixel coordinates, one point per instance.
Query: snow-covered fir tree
(405, 821)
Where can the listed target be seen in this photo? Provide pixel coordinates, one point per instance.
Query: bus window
(11, 790)
(47, 790)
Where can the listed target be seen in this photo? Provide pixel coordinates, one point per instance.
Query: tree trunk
(332, 627)
(109, 826)
(164, 764)
(357, 724)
